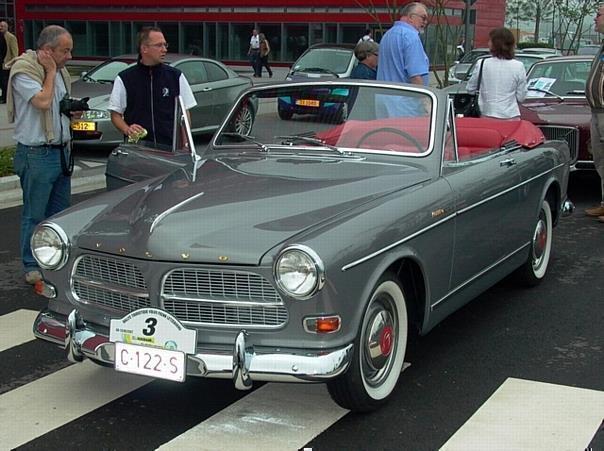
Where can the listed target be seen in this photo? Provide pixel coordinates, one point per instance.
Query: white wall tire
(534, 269)
(379, 351)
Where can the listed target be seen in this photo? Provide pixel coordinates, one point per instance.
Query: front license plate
(83, 126)
(154, 362)
(308, 102)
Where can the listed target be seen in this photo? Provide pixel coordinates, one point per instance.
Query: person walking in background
(402, 55)
(9, 50)
(254, 52)
(594, 91)
(503, 82)
(367, 53)
(38, 82)
(368, 36)
(133, 110)
(265, 50)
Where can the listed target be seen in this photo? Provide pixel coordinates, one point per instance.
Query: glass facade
(227, 41)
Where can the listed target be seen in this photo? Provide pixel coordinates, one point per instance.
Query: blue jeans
(46, 191)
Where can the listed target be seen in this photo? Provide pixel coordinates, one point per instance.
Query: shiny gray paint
(360, 215)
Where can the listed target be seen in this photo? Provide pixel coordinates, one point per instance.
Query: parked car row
(556, 101)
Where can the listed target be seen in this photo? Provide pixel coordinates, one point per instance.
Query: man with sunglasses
(143, 95)
(402, 54)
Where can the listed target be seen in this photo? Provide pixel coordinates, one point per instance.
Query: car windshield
(334, 119)
(107, 71)
(588, 50)
(562, 78)
(329, 60)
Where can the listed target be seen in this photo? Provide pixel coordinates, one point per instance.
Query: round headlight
(49, 246)
(299, 272)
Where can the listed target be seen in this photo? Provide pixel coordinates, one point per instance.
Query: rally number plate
(147, 361)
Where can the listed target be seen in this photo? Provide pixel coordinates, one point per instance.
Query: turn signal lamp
(322, 324)
(45, 289)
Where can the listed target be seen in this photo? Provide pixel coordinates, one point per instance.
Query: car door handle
(206, 89)
(118, 152)
(509, 162)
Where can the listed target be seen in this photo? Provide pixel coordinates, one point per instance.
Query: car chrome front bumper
(243, 365)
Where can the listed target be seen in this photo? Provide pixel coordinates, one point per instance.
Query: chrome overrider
(243, 365)
(567, 208)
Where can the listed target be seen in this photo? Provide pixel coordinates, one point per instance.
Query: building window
(79, 35)
(273, 34)
(240, 40)
(170, 32)
(192, 38)
(296, 41)
(99, 38)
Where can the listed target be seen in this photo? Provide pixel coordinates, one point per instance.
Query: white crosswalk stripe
(274, 417)
(16, 328)
(520, 415)
(52, 401)
(529, 415)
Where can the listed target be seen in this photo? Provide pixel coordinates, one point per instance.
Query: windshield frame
(429, 149)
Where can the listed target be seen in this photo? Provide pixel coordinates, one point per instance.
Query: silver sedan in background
(214, 85)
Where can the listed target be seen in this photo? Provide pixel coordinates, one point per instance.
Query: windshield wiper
(547, 91)
(247, 138)
(318, 69)
(290, 139)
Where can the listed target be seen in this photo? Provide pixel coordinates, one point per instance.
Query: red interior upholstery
(479, 135)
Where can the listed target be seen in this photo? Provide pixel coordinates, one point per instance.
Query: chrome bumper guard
(567, 208)
(243, 365)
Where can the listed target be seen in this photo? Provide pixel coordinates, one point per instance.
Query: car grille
(215, 314)
(109, 283)
(218, 297)
(568, 134)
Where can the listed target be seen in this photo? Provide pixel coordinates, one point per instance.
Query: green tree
(519, 10)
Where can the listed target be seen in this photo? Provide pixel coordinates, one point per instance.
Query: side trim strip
(464, 210)
(390, 246)
(480, 274)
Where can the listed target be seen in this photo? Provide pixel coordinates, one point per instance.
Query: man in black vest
(143, 95)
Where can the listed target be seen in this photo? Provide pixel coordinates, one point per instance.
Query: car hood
(82, 88)
(238, 208)
(572, 112)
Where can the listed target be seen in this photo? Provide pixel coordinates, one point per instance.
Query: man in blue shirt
(402, 55)
(403, 59)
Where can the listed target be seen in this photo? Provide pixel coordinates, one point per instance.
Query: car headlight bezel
(311, 266)
(58, 240)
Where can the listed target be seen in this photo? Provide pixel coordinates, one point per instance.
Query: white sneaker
(31, 277)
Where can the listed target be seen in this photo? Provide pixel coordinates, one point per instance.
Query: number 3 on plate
(150, 329)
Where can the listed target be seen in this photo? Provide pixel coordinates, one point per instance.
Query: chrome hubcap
(539, 241)
(244, 122)
(379, 342)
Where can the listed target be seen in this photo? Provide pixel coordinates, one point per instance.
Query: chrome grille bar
(219, 285)
(568, 134)
(110, 283)
(213, 314)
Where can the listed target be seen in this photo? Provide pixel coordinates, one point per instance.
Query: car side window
(194, 72)
(215, 72)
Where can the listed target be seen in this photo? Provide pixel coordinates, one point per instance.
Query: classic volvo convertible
(302, 250)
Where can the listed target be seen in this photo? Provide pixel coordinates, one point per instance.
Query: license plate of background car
(148, 361)
(308, 102)
(83, 126)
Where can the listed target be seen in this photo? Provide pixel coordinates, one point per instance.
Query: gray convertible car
(302, 250)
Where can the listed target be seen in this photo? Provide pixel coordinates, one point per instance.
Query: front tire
(379, 351)
(533, 271)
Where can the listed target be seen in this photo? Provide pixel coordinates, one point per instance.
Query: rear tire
(379, 351)
(533, 271)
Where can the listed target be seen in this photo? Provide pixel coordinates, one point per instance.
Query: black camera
(67, 105)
